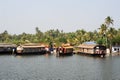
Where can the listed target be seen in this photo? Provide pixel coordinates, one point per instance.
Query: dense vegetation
(107, 35)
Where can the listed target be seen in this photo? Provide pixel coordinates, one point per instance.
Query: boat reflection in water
(50, 67)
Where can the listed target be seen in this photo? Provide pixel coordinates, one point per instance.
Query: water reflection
(50, 67)
(63, 56)
(107, 68)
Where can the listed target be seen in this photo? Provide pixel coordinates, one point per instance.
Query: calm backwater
(50, 67)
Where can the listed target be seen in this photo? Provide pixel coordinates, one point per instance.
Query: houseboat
(7, 48)
(65, 49)
(92, 48)
(116, 48)
(31, 48)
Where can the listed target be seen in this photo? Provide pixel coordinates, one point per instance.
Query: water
(50, 67)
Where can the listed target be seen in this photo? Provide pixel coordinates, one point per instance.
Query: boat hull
(95, 55)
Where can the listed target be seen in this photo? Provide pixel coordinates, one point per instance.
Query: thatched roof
(89, 45)
(86, 46)
(67, 45)
(7, 45)
(33, 45)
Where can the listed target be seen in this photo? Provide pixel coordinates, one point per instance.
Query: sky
(18, 16)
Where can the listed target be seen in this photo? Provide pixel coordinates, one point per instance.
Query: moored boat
(65, 49)
(92, 49)
(31, 48)
(7, 48)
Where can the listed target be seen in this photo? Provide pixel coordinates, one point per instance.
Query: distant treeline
(106, 35)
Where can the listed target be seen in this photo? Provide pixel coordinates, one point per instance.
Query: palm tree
(39, 34)
(95, 35)
(80, 36)
(111, 34)
(108, 21)
(103, 33)
(103, 30)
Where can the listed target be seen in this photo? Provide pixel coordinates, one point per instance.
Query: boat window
(115, 49)
(118, 49)
(97, 47)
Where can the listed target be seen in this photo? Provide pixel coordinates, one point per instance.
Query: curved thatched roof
(90, 44)
(86, 46)
(32, 45)
(7, 45)
(67, 45)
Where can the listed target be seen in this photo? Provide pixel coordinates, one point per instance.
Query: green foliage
(101, 41)
(106, 34)
(60, 37)
(63, 40)
(116, 40)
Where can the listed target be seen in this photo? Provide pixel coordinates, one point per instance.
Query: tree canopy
(59, 36)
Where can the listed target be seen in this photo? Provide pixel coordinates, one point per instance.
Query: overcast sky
(18, 16)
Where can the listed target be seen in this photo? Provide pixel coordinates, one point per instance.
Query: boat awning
(7, 45)
(86, 46)
(33, 45)
(68, 47)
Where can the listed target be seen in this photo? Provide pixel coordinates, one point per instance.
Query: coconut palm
(103, 29)
(108, 21)
(111, 34)
(80, 35)
(103, 33)
(95, 35)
